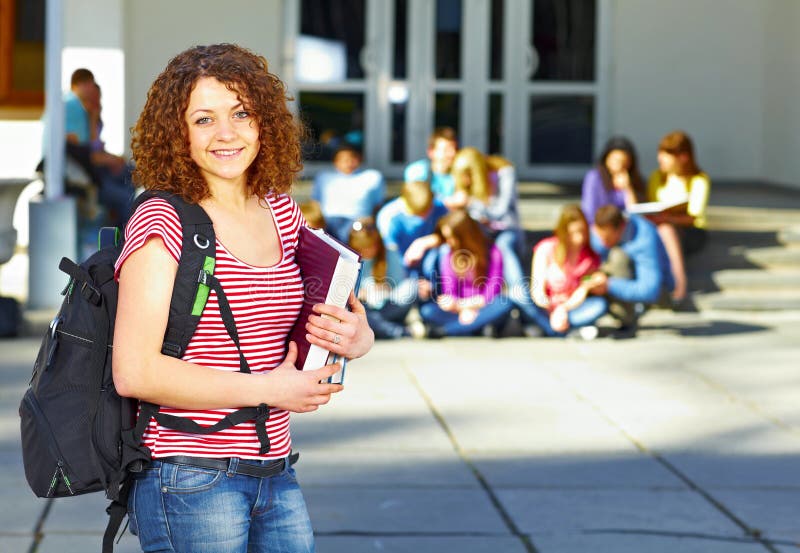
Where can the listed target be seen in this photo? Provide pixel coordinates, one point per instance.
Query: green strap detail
(201, 297)
(103, 233)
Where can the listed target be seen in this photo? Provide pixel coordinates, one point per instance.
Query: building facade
(542, 82)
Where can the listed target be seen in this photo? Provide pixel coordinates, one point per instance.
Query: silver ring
(336, 338)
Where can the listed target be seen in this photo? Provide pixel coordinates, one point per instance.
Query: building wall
(781, 98)
(156, 30)
(694, 65)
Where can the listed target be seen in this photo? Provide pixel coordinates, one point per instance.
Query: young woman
(561, 279)
(470, 281)
(615, 180)
(386, 291)
(487, 187)
(679, 179)
(216, 130)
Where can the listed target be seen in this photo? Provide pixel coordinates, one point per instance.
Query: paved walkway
(686, 439)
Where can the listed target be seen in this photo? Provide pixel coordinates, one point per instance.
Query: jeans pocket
(189, 479)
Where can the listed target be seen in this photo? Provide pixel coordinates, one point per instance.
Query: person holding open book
(678, 180)
(615, 179)
(216, 130)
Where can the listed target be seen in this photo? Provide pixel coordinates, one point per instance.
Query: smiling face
(223, 136)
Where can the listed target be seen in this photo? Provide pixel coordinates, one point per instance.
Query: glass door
(518, 78)
(557, 118)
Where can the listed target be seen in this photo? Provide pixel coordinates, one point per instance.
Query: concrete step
(790, 236)
(755, 279)
(774, 257)
(741, 300)
(751, 218)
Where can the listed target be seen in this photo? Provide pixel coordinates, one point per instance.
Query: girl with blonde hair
(486, 186)
(561, 279)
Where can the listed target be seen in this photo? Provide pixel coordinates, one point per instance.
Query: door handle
(531, 61)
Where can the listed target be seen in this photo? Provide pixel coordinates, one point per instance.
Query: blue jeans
(184, 509)
(339, 227)
(388, 321)
(494, 313)
(517, 286)
(585, 314)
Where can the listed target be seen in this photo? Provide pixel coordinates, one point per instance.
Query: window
(22, 52)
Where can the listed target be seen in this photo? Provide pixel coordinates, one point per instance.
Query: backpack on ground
(78, 435)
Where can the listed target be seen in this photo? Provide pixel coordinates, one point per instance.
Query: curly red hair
(160, 138)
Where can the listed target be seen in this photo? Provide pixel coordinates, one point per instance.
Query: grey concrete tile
(774, 512)
(56, 542)
(571, 511)
(533, 428)
(368, 430)
(722, 469)
(20, 510)
(589, 470)
(623, 543)
(402, 511)
(83, 513)
(14, 543)
(418, 544)
(326, 467)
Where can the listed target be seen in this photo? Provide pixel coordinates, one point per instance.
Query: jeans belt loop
(233, 464)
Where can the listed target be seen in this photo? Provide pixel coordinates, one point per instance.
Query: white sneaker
(589, 332)
(417, 329)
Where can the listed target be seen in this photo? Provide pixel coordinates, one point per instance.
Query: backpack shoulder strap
(198, 257)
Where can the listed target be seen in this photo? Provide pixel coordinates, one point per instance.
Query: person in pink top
(561, 282)
(470, 282)
(216, 130)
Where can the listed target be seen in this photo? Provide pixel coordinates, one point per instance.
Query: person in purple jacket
(615, 180)
(470, 299)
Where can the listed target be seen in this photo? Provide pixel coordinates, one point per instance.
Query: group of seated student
(450, 243)
(616, 180)
(83, 124)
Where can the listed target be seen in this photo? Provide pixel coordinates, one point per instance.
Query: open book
(649, 208)
(330, 271)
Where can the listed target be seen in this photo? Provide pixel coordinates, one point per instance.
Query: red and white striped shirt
(265, 302)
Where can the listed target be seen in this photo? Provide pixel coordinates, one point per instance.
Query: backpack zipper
(64, 477)
(53, 445)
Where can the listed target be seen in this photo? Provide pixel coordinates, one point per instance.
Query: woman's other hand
(345, 333)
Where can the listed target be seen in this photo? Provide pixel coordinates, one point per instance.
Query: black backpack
(78, 435)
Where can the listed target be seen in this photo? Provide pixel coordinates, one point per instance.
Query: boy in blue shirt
(635, 270)
(435, 170)
(408, 222)
(347, 193)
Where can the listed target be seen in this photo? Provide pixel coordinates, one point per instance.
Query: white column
(53, 220)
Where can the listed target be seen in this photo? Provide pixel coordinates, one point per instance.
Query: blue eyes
(241, 114)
